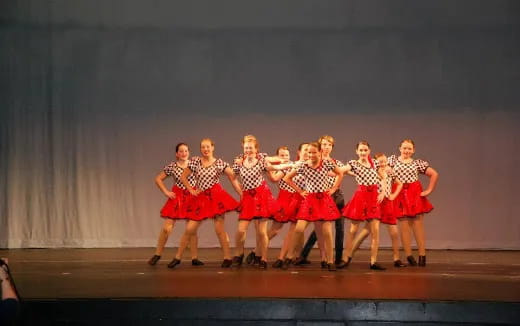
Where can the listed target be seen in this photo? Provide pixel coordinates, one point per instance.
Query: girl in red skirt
(388, 217)
(364, 205)
(175, 207)
(209, 199)
(257, 201)
(317, 205)
(411, 203)
(289, 201)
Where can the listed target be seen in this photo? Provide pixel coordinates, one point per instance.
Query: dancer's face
(206, 148)
(406, 149)
(326, 147)
(284, 155)
(183, 153)
(249, 148)
(314, 154)
(363, 151)
(304, 153)
(382, 161)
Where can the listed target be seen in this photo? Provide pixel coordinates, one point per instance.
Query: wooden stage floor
(123, 273)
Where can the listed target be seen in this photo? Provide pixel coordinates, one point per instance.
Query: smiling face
(182, 153)
(363, 151)
(249, 148)
(206, 148)
(314, 154)
(303, 154)
(407, 149)
(326, 146)
(284, 155)
(382, 161)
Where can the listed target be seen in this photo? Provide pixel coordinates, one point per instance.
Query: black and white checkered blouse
(207, 176)
(332, 179)
(251, 177)
(407, 172)
(316, 180)
(365, 176)
(175, 171)
(386, 183)
(298, 179)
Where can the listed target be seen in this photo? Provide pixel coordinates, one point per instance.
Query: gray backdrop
(94, 95)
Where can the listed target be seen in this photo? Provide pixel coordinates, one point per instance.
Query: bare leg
(191, 231)
(404, 224)
(222, 236)
(163, 235)
(194, 246)
(300, 227)
(394, 235)
(374, 246)
(240, 237)
(264, 239)
(418, 230)
(321, 241)
(360, 237)
(354, 225)
(287, 241)
(326, 232)
(274, 230)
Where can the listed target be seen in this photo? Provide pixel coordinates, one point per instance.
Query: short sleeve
(391, 160)
(422, 165)
(300, 168)
(221, 165)
(169, 169)
(339, 163)
(194, 163)
(236, 166)
(329, 165)
(353, 166)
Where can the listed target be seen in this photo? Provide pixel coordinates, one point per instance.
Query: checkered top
(251, 177)
(330, 179)
(175, 171)
(316, 179)
(386, 183)
(298, 179)
(364, 176)
(207, 176)
(407, 172)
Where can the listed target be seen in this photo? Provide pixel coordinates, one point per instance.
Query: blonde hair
(207, 139)
(250, 138)
(281, 148)
(378, 155)
(328, 138)
(407, 141)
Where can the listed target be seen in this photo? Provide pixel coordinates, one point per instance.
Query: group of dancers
(388, 192)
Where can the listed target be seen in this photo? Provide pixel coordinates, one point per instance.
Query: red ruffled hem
(258, 203)
(210, 203)
(176, 208)
(363, 205)
(409, 202)
(388, 212)
(318, 206)
(289, 203)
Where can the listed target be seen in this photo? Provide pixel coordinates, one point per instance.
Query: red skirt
(387, 212)
(258, 203)
(176, 208)
(289, 203)
(318, 206)
(210, 203)
(363, 205)
(409, 202)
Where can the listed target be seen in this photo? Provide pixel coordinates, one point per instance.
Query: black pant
(340, 230)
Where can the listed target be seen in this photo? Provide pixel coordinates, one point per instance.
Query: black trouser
(340, 230)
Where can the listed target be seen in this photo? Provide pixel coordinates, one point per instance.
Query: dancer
(327, 144)
(289, 201)
(411, 203)
(363, 206)
(387, 180)
(317, 205)
(209, 199)
(175, 207)
(257, 201)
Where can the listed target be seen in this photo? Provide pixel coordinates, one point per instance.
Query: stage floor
(450, 275)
